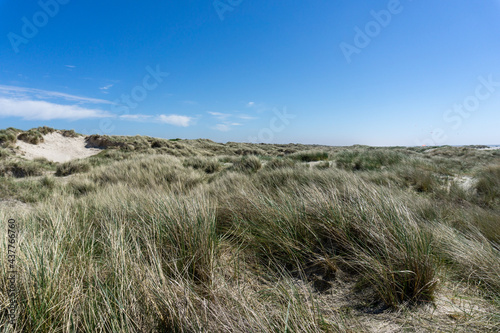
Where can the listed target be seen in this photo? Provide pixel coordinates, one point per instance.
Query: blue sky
(328, 72)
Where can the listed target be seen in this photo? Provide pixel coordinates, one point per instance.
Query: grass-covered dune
(155, 235)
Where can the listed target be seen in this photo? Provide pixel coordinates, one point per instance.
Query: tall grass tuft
(488, 184)
(32, 136)
(72, 167)
(247, 164)
(69, 133)
(44, 130)
(23, 168)
(8, 137)
(278, 163)
(208, 165)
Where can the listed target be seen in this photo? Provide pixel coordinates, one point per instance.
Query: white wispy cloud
(32, 94)
(219, 115)
(222, 127)
(136, 117)
(172, 119)
(70, 66)
(105, 89)
(250, 104)
(42, 110)
(176, 120)
(246, 117)
(226, 126)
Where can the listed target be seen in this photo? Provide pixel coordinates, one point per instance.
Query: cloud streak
(140, 117)
(42, 110)
(105, 89)
(226, 126)
(246, 117)
(219, 115)
(31, 93)
(172, 119)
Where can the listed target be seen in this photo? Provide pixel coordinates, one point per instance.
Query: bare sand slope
(57, 148)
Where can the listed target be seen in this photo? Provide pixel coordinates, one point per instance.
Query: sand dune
(57, 148)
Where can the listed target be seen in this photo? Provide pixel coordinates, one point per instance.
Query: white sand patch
(57, 148)
(467, 183)
(491, 148)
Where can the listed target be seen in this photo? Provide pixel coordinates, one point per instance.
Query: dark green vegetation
(192, 235)
(32, 136)
(311, 156)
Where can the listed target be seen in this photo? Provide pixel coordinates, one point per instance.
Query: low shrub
(159, 144)
(72, 167)
(20, 169)
(32, 136)
(44, 130)
(8, 137)
(310, 156)
(104, 141)
(69, 134)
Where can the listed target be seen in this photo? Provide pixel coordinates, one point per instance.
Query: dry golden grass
(196, 236)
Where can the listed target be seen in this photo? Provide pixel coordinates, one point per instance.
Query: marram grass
(143, 241)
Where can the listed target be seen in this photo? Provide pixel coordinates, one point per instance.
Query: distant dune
(57, 148)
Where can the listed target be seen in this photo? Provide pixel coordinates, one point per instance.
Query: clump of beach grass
(32, 136)
(247, 164)
(72, 167)
(208, 165)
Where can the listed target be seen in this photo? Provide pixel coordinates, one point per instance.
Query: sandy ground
(57, 148)
(465, 182)
(12, 204)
